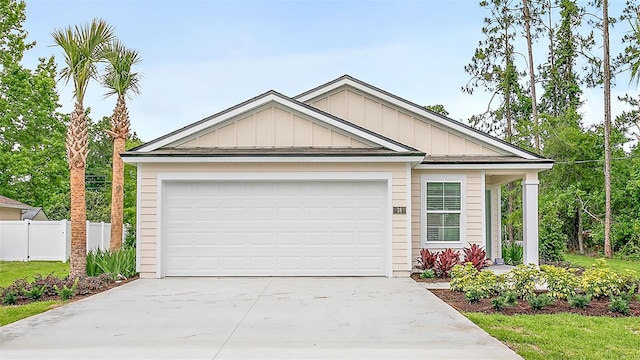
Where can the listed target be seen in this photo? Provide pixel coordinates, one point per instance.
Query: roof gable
(10, 203)
(209, 130)
(444, 133)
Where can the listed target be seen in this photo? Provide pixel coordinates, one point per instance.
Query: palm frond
(83, 47)
(119, 78)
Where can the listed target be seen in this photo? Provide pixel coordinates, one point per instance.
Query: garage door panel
(266, 228)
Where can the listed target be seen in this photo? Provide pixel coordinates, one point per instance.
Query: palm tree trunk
(77, 150)
(120, 132)
(117, 194)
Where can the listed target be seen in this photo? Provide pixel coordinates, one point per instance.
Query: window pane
(451, 234)
(451, 219)
(435, 189)
(435, 203)
(434, 220)
(451, 203)
(433, 234)
(451, 189)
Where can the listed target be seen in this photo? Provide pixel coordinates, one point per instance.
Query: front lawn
(564, 336)
(9, 314)
(13, 270)
(613, 264)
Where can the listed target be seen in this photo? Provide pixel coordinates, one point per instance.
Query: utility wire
(592, 161)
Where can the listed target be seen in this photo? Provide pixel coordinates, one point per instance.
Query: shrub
(540, 302)
(552, 245)
(601, 281)
(498, 303)
(35, 292)
(427, 259)
(47, 283)
(512, 253)
(561, 283)
(523, 280)
(579, 301)
(476, 256)
(9, 298)
(462, 277)
(65, 292)
(510, 298)
(427, 274)
(447, 259)
(475, 294)
(620, 305)
(119, 263)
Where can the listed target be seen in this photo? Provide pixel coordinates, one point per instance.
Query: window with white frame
(443, 205)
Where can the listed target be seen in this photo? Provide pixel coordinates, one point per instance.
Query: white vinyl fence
(46, 240)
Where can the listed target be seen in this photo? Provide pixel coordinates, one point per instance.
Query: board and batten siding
(474, 208)
(149, 204)
(397, 124)
(272, 126)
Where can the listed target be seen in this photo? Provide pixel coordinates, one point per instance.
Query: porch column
(530, 218)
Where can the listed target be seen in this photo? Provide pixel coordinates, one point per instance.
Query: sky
(200, 57)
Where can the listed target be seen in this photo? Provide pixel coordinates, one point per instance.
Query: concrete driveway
(254, 318)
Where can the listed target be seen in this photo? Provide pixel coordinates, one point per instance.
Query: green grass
(613, 264)
(564, 336)
(9, 314)
(12, 270)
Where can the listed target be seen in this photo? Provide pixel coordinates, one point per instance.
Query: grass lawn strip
(12, 270)
(614, 264)
(564, 336)
(9, 314)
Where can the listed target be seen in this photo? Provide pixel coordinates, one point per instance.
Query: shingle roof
(8, 202)
(270, 151)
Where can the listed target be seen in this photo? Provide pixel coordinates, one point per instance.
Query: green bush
(512, 253)
(474, 295)
(118, 264)
(579, 301)
(553, 240)
(466, 277)
(462, 276)
(65, 292)
(540, 302)
(35, 292)
(561, 283)
(427, 274)
(498, 303)
(523, 279)
(9, 298)
(619, 305)
(601, 281)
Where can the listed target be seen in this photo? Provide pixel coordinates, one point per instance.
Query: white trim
(462, 179)
(488, 166)
(483, 200)
(448, 124)
(498, 196)
(409, 225)
(163, 177)
(274, 159)
(138, 210)
(262, 101)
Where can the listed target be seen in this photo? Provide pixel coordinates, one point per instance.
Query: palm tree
(83, 48)
(120, 81)
(633, 59)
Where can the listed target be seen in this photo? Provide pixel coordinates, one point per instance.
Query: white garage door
(274, 228)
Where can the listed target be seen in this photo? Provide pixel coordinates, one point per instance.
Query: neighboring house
(343, 180)
(35, 214)
(12, 209)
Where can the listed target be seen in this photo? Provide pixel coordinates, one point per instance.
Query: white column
(530, 220)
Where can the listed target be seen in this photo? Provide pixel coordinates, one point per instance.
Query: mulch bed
(597, 307)
(104, 286)
(416, 277)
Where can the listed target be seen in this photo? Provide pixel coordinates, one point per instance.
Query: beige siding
(398, 124)
(273, 127)
(10, 214)
(474, 207)
(149, 203)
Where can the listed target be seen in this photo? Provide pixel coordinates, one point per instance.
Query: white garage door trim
(163, 177)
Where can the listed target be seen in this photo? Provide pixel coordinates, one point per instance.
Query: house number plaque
(399, 209)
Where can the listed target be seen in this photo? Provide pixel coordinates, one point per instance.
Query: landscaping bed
(597, 307)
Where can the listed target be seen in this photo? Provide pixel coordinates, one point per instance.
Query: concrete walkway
(253, 318)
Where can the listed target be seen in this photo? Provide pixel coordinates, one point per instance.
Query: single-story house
(345, 179)
(11, 209)
(35, 214)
